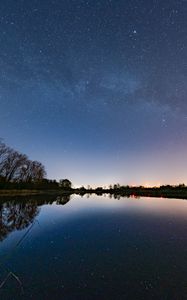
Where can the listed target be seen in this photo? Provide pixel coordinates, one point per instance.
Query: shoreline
(116, 193)
(31, 192)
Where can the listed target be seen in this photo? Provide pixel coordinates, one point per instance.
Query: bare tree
(37, 171)
(12, 164)
(4, 152)
(15, 166)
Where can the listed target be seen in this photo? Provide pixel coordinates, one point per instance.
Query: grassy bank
(26, 192)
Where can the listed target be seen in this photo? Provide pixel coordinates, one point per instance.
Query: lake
(93, 247)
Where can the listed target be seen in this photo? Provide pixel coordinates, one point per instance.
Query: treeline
(18, 172)
(16, 167)
(169, 191)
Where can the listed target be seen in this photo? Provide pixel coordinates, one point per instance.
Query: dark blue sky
(96, 90)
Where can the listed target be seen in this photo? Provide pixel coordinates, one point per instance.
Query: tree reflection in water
(16, 217)
(62, 200)
(20, 213)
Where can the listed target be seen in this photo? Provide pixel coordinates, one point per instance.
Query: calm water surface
(93, 248)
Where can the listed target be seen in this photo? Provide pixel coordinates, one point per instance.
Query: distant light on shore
(148, 185)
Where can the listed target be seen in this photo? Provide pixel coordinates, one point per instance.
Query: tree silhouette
(16, 167)
(65, 183)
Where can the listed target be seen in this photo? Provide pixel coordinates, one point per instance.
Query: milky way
(96, 90)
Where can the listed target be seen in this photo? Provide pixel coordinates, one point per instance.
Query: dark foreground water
(93, 248)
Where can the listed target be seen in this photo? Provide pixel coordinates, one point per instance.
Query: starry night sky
(96, 90)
